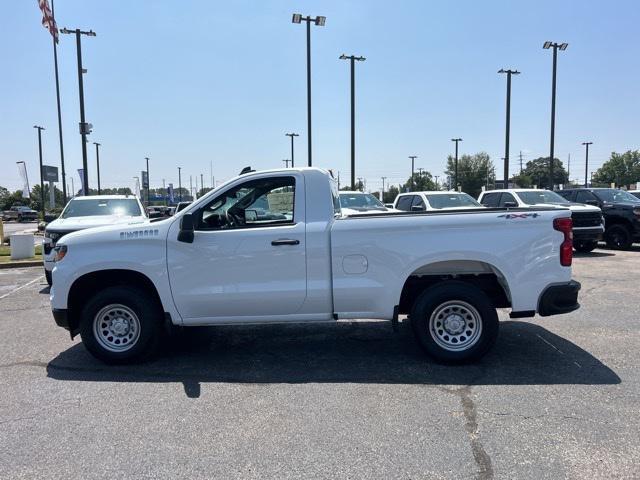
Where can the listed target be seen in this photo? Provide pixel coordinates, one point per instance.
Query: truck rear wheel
(121, 324)
(618, 236)
(454, 322)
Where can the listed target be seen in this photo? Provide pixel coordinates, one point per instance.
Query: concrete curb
(19, 264)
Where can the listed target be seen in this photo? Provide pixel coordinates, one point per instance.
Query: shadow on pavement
(595, 254)
(359, 352)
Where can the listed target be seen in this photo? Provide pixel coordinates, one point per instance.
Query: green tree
(621, 169)
(474, 172)
(359, 187)
(391, 194)
(419, 182)
(536, 173)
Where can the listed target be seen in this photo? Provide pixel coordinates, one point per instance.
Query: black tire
(618, 237)
(48, 276)
(585, 246)
(474, 311)
(138, 310)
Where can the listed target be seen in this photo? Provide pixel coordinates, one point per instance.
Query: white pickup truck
(272, 246)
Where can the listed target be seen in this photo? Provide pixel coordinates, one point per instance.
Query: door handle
(284, 241)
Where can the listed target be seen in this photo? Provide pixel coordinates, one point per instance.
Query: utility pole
(202, 183)
(569, 166)
(508, 124)
(413, 164)
(292, 135)
(85, 128)
(148, 180)
(586, 162)
(382, 199)
(164, 193)
(191, 185)
(562, 47)
(352, 60)
(180, 182)
(361, 184)
(98, 164)
(436, 177)
(455, 176)
(319, 21)
(286, 161)
(41, 179)
(520, 161)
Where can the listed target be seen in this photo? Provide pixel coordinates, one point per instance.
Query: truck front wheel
(454, 322)
(121, 325)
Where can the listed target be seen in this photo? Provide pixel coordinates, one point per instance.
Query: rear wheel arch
(482, 275)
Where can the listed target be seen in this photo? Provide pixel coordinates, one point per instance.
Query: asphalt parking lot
(558, 397)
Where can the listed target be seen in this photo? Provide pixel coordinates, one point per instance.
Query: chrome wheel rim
(116, 328)
(455, 325)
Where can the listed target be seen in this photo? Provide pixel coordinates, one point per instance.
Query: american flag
(48, 21)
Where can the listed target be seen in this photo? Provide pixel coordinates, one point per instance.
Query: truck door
(248, 255)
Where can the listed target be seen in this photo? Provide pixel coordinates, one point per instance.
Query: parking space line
(22, 286)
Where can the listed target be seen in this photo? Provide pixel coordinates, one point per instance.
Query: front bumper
(588, 234)
(559, 298)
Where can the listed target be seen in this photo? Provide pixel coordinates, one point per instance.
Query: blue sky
(192, 82)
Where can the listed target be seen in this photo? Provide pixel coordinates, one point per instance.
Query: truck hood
(120, 231)
(81, 223)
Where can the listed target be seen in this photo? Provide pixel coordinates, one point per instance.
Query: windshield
(113, 206)
(360, 200)
(452, 200)
(613, 195)
(536, 197)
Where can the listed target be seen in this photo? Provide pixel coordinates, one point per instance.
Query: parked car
(635, 193)
(87, 212)
(354, 203)
(216, 263)
(434, 200)
(588, 222)
(621, 212)
(20, 213)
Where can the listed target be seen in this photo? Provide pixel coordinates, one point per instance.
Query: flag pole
(55, 62)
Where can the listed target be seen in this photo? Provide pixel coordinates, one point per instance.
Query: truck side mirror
(592, 202)
(186, 233)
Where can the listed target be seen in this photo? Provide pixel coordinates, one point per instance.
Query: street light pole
(436, 177)
(413, 164)
(455, 177)
(382, 199)
(98, 164)
(508, 124)
(41, 179)
(319, 21)
(352, 60)
(84, 127)
(292, 157)
(562, 47)
(586, 162)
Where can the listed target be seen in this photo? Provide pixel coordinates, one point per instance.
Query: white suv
(434, 200)
(87, 212)
(588, 223)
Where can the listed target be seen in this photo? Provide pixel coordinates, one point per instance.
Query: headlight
(60, 252)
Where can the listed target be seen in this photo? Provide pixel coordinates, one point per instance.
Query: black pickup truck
(620, 209)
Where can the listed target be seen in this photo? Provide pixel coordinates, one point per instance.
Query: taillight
(565, 225)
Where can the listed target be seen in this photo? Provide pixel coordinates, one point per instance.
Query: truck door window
(490, 199)
(506, 197)
(257, 203)
(418, 202)
(584, 195)
(404, 203)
